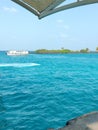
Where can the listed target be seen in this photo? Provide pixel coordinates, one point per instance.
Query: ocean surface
(42, 91)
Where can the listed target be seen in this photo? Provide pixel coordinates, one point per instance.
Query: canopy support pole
(69, 6)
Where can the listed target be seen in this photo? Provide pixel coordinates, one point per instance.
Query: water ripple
(38, 98)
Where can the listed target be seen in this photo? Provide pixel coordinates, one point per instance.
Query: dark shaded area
(81, 123)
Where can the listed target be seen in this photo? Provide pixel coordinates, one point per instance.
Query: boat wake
(19, 64)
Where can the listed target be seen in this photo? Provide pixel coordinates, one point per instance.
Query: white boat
(16, 53)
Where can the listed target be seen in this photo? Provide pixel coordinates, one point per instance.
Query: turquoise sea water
(38, 92)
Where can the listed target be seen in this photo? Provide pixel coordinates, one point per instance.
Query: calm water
(38, 92)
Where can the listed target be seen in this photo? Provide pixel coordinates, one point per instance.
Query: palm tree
(87, 49)
(97, 49)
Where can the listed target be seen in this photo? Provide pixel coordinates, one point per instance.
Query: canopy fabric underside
(43, 8)
(39, 5)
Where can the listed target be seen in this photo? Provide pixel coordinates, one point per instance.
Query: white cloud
(60, 21)
(62, 25)
(10, 9)
(63, 35)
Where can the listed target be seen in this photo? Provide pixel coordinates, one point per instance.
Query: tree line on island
(63, 51)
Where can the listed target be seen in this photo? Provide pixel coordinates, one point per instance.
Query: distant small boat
(17, 53)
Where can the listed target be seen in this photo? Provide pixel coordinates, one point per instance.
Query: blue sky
(72, 29)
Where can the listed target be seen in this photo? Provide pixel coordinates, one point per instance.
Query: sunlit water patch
(19, 65)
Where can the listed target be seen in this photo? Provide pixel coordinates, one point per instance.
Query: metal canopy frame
(43, 8)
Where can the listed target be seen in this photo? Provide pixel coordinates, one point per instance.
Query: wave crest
(19, 64)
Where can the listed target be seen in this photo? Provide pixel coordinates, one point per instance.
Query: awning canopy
(43, 8)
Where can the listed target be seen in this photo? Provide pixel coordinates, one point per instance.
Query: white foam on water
(19, 65)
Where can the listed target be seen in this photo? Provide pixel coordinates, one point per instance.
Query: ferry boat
(16, 53)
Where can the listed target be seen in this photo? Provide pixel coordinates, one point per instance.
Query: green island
(64, 51)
